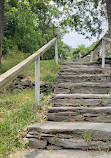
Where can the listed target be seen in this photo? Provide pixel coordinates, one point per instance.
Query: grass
(17, 109)
(88, 137)
(48, 67)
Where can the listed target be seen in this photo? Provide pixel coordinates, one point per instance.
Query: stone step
(81, 66)
(84, 64)
(69, 135)
(72, 114)
(80, 63)
(83, 78)
(85, 87)
(86, 100)
(82, 71)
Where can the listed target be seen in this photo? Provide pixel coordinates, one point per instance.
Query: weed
(99, 148)
(53, 139)
(51, 104)
(72, 89)
(88, 137)
(45, 118)
(78, 112)
(87, 80)
(41, 97)
(102, 99)
(64, 121)
(104, 72)
(77, 119)
(49, 77)
(79, 105)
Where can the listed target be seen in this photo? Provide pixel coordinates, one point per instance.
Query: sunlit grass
(17, 109)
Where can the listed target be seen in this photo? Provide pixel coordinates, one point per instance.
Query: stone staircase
(81, 115)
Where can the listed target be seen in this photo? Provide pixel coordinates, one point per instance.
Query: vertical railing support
(91, 58)
(56, 52)
(79, 58)
(103, 53)
(37, 82)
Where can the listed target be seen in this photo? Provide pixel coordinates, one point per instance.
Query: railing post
(56, 52)
(37, 82)
(91, 58)
(103, 53)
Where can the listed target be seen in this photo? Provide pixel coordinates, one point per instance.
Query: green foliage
(11, 59)
(84, 16)
(11, 127)
(88, 137)
(49, 77)
(102, 99)
(30, 24)
(81, 49)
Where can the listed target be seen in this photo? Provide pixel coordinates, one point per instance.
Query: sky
(74, 39)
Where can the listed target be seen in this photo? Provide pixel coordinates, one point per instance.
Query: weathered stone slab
(72, 114)
(83, 78)
(86, 100)
(82, 96)
(82, 109)
(85, 87)
(100, 131)
(82, 71)
(54, 147)
(86, 84)
(79, 63)
(79, 144)
(64, 153)
(37, 144)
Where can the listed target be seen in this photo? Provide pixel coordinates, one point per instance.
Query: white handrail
(16, 70)
(102, 40)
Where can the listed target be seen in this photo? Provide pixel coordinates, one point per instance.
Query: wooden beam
(100, 41)
(15, 71)
(92, 49)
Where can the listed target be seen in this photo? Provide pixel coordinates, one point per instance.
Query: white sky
(74, 39)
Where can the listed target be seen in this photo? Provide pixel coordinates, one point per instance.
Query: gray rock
(79, 144)
(21, 76)
(37, 144)
(53, 147)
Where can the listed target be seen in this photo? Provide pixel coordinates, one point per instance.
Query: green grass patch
(11, 59)
(48, 68)
(17, 109)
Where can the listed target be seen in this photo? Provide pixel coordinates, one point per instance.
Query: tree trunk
(1, 25)
(108, 8)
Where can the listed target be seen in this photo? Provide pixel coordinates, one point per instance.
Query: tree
(108, 8)
(1, 25)
(29, 24)
(88, 15)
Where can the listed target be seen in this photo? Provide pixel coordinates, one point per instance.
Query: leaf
(0, 114)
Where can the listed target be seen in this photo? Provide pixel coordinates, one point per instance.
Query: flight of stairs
(81, 114)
